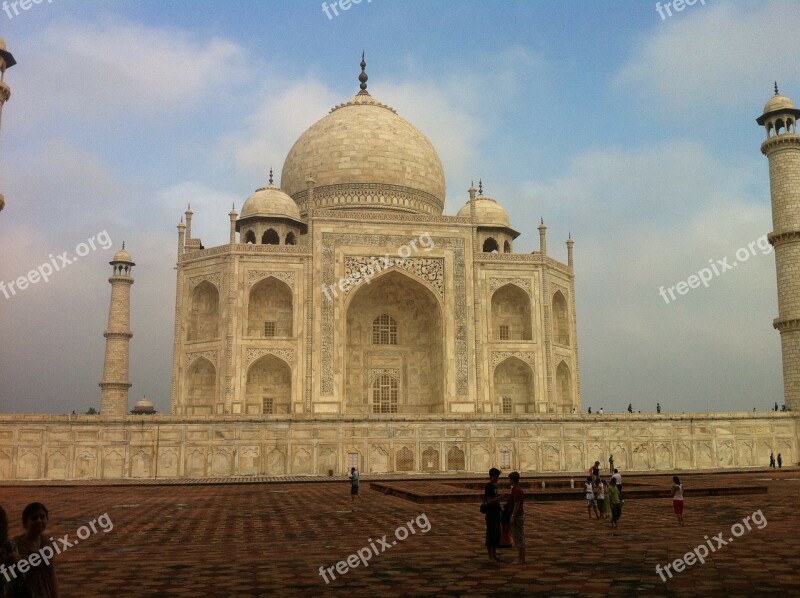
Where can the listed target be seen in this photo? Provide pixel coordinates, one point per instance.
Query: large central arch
(394, 343)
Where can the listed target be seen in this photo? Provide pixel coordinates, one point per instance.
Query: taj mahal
(349, 322)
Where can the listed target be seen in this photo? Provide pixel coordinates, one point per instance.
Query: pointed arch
(270, 237)
(514, 387)
(455, 459)
(560, 320)
(564, 396)
(291, 239)
(490, 246)
(269, 309)
(506, 247)
(511, 314)
(203, 322)
(268, 390)
(250, 238)
(200, 385)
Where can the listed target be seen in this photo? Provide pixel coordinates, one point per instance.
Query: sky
(632, 131)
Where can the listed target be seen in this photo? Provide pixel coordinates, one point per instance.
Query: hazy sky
(635, 133)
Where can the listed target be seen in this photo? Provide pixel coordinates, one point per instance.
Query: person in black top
(494, 513)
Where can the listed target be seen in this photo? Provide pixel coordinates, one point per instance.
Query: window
(506, 405)
(384, 330)
(269, 329)
(503, 333)
(267, 406)
(384, 395)
(505, 459)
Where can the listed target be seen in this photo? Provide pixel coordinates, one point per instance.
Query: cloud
(715, 58)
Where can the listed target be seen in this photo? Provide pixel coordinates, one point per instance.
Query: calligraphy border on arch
(496, 283)
(528, 357)
(456, 244)
(192, 357)
(286, 354)
(254, 276)
(213, 278)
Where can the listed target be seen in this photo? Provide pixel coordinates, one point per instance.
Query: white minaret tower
(115, 384)
(6, 61)
(782, 148)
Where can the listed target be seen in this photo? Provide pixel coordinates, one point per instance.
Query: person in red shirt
(517, 499)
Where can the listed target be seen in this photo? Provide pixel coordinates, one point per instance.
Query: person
(677, 499)
(594, 471)
(590, 502)
(601, 411)
(355, 481)
(630, 407)
(600, 497)
(780, 460)
(607, 504)
(494, 514)
(9, 555)
(771, 460)
(616, 503)
(41, 579)
(590, 411)
(517, 499)
(611, 463)
(617, 477)
(658, 407)
(776, 405)
(573, 410)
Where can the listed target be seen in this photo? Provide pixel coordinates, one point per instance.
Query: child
(677, 499)
(599, 492)
(616, 503)
(590, 503)
(42, 577)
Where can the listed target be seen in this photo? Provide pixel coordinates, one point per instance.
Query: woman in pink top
(677, 499)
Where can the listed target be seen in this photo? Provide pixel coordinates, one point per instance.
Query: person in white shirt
(600, 497)
(590, 502)
(617, 477)
(677, 499)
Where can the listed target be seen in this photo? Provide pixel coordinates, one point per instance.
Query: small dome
(144, 403)
(143, 406)
(487, 212)
(122, 256)
(778, 102)
(270, 202)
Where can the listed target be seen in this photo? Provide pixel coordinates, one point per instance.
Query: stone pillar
(115, 384)
(782, 148)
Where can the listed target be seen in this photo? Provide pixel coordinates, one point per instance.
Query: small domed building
(347, 292)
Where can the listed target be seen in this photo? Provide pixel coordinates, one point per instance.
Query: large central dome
(362, 155)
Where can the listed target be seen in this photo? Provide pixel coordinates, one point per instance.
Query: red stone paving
(265, 539)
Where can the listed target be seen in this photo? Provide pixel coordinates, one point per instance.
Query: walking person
(600, 496)
(517, 499)
(607, 503)
(590, 502)
(494, 514)
(594, 470)
(40, 578)
(780, 460)
(617, 477)
(677, 499)
(772, 460)
(616, 503)
(355, 482)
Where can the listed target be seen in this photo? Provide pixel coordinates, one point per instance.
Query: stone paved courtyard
(262, 539)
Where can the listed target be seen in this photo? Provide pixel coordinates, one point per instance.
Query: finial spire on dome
(363, 76)
(270, 175)
(480, 186)
(123, 246)
(776, 89)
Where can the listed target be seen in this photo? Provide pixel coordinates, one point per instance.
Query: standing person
(590, 411)
(355, 481)
(594, 471)
(658, 407)
(42, 578)
(517, 499)
(590, 503)
(677, 499)
(601, 411)
(494, 514)
(8, 558)
(611, 463)
(617, 477)
(771, 460)
(616, 503)
(776, 406)
(600, 496)
(780, 460)
(630, 407)
(607, 503)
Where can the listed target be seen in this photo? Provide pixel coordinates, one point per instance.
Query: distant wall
(40, 447)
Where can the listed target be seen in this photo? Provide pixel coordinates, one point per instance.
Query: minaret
(6, 62)
(782, 148)
(115, 385)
